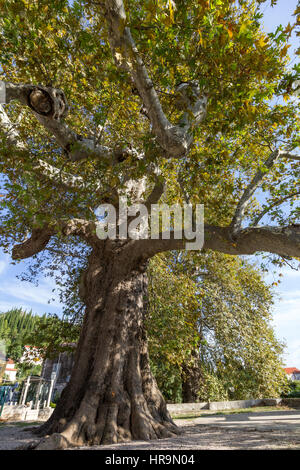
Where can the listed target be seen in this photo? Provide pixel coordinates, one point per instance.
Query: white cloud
(288, 319)
(287, 311)
(6, 305)
(3, 265)
(27, 292)
(288, 301)
(287, 325)
(290, 273)
(293, 359)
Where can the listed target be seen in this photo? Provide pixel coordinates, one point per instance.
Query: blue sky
(286, 312)
(15, 293)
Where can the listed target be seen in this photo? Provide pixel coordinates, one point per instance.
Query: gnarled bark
(112, 395)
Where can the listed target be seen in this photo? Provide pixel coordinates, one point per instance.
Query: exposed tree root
(106, 431)
(54, 442)
(111, 427)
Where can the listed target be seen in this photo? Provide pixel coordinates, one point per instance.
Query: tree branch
(284, 241)
(156, 193)
(291, 156)
(38, 241)
(50, 106)
(276, 203)
(55, 175)
(183, 190)
(85, 229)
(174, 139)
(11, 134)
(249, 191)
(40, 237)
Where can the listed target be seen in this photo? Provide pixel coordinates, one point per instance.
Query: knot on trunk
(191, 99)
(48, 101)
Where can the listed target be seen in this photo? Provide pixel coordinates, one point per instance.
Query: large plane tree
(169, 101)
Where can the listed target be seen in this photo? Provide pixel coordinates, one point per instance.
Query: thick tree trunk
(191, 378)
(112, 395)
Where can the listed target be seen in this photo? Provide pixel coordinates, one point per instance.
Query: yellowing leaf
(200, 38)
(172, 7)
(288, 29)
(243, 28)
(262, 42)
(230, 33)
(284, 50)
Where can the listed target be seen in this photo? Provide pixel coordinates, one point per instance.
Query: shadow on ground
(246, 431)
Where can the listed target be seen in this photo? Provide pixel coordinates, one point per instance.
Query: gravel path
(13, 436)
(244, 431)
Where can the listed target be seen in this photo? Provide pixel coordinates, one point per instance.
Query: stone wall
(233, 405)
(292, 402)
(14, 412)
(24, 413)
(186, 408)
(181, 408)
(45, 413)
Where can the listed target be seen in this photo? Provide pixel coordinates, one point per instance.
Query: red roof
(291, 370)
(10, 361)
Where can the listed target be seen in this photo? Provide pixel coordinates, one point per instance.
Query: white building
(292, 373)
(10, 370)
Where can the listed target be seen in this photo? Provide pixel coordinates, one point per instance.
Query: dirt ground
(240, 431)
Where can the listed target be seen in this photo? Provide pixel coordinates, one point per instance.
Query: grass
(19, 423)
(254, 409)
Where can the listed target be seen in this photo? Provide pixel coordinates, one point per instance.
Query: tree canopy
(15, 325)
(192, 91)
(177, 102)
(210, 330)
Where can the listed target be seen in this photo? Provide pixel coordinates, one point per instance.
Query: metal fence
(36, 392)
(6, 396)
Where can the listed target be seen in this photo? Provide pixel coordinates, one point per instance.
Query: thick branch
(284, 241)
(40, 237)
(249, 191)
(50, 106)
(156, 193)
(290, 156)
(175, 140)
(38, 241)
(45, 101)
(86, 229)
